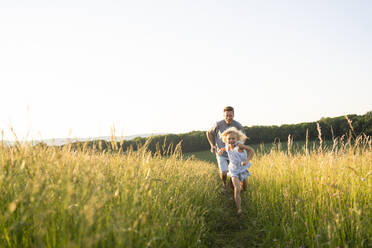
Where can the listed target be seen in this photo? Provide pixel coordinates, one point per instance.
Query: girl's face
(231, 138)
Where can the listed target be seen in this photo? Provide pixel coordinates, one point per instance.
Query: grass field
(295, 147)
(54, 197)
(319, 198)
(64, 198)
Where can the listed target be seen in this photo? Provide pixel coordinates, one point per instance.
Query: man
(216, 143)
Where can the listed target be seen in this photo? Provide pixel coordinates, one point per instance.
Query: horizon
(145, 135)
(81, 68)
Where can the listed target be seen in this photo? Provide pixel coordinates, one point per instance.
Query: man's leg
(223, 176)
(231, 184)
(223, 167)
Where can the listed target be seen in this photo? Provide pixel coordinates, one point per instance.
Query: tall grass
(304, 194)
(53, 197)
(315, 195)
(317, 199)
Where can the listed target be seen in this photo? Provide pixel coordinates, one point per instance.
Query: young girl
(239, 160)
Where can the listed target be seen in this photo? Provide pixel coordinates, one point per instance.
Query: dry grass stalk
(289, 145)
(114, 144)
(319, 137)
(2, 138)
(307, 142)
(350, 125)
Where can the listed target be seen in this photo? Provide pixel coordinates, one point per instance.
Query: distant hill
(336, 128)
(331, 128)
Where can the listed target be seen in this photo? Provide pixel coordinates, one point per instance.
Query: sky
(83, 68)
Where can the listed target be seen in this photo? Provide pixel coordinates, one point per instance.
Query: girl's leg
(243, 185)
(236, 183)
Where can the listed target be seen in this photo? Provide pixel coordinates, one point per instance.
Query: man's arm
(211, 141)
(239, 126)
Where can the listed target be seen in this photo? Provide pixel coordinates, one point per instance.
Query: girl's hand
(220, 151)
(244, 163)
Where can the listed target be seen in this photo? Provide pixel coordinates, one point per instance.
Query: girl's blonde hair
(239, 134)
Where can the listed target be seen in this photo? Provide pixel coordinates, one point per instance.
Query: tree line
(196, 140)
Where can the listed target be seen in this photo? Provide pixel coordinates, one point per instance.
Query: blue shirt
(236, 158)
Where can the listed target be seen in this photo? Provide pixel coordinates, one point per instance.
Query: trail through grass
(227, 229)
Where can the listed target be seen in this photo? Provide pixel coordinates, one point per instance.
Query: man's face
(229, 117)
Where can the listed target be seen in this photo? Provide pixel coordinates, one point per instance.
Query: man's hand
(213, 149)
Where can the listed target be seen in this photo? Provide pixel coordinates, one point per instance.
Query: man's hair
(228, 108)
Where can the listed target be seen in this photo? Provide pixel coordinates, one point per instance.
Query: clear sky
(75, 68)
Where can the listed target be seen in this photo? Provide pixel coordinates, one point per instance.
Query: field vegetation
(54, 197)
(299, 195)
(304, 198)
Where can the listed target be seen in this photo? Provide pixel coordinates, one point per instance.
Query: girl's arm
(246, 165)
(250, 152)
